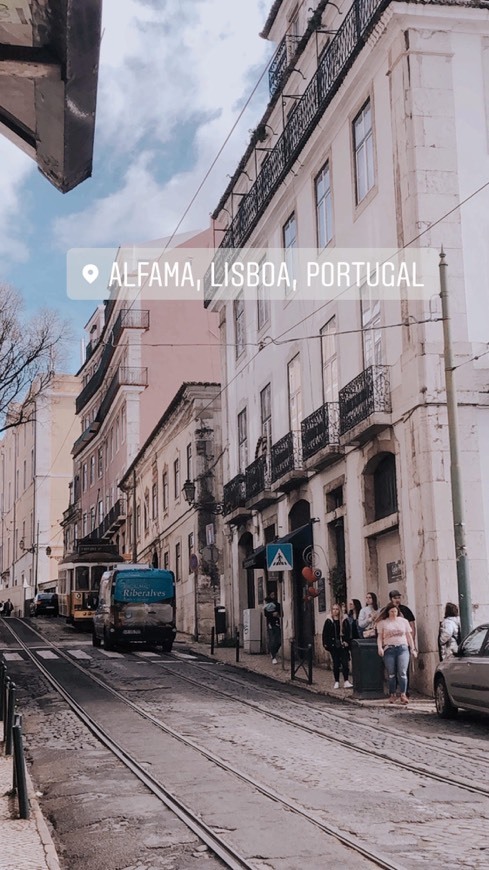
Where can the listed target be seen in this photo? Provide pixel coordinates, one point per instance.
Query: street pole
(463, 578)
(134, 519)
(36, 563)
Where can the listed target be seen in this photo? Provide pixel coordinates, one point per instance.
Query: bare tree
(30, 352)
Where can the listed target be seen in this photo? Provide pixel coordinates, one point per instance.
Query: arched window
(385, 487)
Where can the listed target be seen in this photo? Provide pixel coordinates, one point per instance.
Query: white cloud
(16, 168)
(168, 68)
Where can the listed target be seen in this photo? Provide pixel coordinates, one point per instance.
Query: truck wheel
(95, 640)
(166, 646)
(108, 645)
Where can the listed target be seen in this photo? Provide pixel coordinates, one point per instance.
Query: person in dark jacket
(272, 617)
(354, 608)
(337, 641)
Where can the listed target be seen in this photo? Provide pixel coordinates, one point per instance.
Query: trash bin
(367, 669)
(220, 619)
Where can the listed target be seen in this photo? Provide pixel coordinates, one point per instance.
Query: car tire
(166, 646)
(444, 706)
(108, 645)
(95, 640)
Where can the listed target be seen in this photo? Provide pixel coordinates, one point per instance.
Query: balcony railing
(128, 318)
(234, 494)
(124, 377)
(280, 61)
(366, 394)
(110, 523)
(336, 60)
(286, 455)
(258, 477)
(320, 429)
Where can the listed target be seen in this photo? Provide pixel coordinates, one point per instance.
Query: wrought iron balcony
(336, 60)
(320, 434)
(365, 403)
(128, 318)
(112, 521)
(280, 61)
(124, 377)
(287, 466)
(258, 483)
(235, 500)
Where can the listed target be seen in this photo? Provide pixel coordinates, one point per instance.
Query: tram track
(230, 856)
(367, 730)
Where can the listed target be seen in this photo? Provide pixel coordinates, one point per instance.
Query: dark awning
(300, 539)
(49, 55)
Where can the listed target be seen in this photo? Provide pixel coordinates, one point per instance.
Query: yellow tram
(79, 583)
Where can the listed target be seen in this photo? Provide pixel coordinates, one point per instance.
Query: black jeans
(341, 660)
(274, 640)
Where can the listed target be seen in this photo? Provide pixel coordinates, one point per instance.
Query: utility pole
(463, 578)
(134, 519)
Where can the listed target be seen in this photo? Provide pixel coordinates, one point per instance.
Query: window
(178, 561)
(92, 469)
(146, 511)
(164, 488)
(289, 238)
(324, 207)
(25, 472)
(363, 144)
(100, 511)
(385, 487)
(154, 501)
(176, 478)
(263, 305)
(190, 549)
(190, 475)
(239, 325)
(242, 440)
(138, 521)
(371, 329)
(329, 361)
(100, 462)
(295, 393)
(92, 518)
(84, 476)
(123, 424)
(117, 433)
(266, 413)
(166, 560)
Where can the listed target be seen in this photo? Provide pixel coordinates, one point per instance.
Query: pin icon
(90, 273)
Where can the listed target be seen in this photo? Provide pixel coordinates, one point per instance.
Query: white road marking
(12, 657)
(146, 654)
(111, 655)
(185, 656)
(78, 654)
(47, 654)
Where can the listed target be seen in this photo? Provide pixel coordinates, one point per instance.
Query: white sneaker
(336, 686)
(348, 685)
(274, 662)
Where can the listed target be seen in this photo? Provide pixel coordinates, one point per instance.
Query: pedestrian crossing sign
(280, 557)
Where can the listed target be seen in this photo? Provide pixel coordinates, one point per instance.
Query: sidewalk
(26, 844)
(323, 680)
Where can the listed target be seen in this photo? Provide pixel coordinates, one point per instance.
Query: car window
(472, 644)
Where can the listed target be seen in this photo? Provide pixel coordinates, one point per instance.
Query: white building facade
(36, 467)
(335, 415)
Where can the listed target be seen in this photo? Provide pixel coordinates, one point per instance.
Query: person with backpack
(450, 632)
(272, 617)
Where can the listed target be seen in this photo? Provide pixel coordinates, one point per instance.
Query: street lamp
(189, 490)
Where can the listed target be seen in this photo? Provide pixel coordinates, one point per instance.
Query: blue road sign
(280, 557)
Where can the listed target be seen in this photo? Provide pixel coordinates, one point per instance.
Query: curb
(51, 855)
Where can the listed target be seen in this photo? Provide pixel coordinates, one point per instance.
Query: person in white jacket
(367, 616)
(449, 636)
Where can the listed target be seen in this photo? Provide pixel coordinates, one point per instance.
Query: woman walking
(337, 639)
(395, 643)
(368, 615)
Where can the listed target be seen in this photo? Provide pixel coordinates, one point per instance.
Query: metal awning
(300, 539)
(49, 55)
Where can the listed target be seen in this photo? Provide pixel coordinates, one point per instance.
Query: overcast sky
(173, 78)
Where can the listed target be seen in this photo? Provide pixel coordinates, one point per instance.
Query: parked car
(45, 604)
(463, 679)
